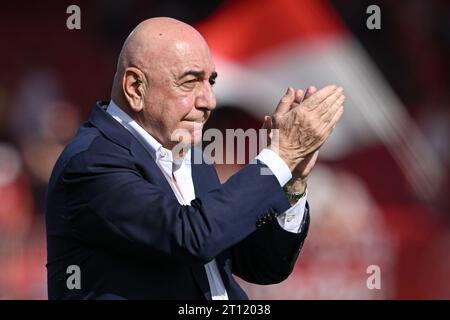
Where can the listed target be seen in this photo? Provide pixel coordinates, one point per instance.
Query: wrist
(296, 185)
(294, 197)
(295, 190)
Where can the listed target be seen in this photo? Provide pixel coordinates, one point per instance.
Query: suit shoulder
(86, 148)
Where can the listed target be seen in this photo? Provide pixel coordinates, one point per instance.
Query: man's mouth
(196, 121)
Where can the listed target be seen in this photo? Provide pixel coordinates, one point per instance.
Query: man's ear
(133, 86)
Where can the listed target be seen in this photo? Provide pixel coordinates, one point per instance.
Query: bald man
(130, 216)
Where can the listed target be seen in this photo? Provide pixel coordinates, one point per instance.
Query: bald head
(151, 43)
(164, 79)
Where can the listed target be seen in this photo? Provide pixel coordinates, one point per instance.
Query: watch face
(295, 196)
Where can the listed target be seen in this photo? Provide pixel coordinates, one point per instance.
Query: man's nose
(206, 99)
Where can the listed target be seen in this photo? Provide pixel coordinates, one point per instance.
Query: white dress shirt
(183, 186)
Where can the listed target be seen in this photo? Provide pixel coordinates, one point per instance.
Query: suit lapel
(201, 174)
(145, 160)
(114, 131)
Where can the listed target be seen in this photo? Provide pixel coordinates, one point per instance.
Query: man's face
(180, 93)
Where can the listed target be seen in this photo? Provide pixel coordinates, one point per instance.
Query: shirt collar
(156, 150)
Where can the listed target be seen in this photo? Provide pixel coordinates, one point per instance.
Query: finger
(299, 96)
(336, 117)
(267, 124)
(335, 120)
(285, 103)
(328, 128)
(264, 125)
(316, 154)
(321, 95)
(270, 128)
(311, 156)
(329, 102)
(334, 108)
(327, 116)
(310, 91)
(330, 116)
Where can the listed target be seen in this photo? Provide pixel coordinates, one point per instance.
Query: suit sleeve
(108, 203)
(268, 255)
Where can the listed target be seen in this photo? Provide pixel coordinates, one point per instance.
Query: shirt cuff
(277, 165)
(291, 219)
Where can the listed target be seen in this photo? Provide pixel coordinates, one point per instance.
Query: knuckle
(284, 100)
(325, 104)
(276, 118)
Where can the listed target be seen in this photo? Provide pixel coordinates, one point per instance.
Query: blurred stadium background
(379, 195)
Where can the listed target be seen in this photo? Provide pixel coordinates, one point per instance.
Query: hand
(303, 128)
(302, 170)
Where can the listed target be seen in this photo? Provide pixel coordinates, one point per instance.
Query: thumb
(267, 124)
(285, 103)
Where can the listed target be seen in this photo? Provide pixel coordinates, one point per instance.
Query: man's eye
(189, 83)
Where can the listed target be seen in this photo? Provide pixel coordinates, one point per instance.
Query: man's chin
(187, 137)
(188, 141)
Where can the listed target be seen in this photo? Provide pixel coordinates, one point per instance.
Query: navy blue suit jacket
(111, 212)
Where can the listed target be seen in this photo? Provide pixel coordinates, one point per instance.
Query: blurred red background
(379, 195)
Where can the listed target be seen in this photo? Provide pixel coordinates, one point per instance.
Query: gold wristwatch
(295, 196)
